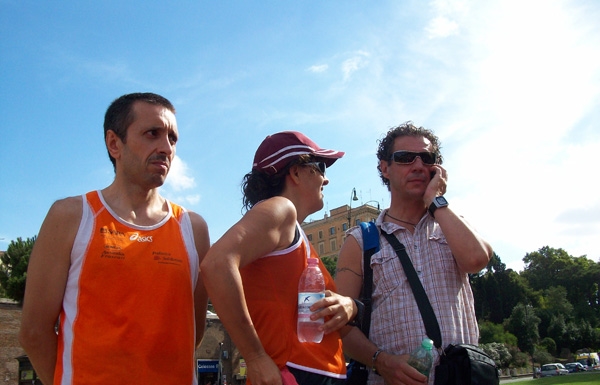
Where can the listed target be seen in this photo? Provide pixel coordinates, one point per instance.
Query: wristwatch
(436, 204)
(357, 321)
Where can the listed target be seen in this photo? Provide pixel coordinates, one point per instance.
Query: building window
(321, 248)
(333, 244)
(309, 237)
(344, 226)
(332, 231)
(320, 234)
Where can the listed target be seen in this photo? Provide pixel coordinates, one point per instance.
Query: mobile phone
(431, 174)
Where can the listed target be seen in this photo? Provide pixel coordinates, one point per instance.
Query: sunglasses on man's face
(319, 166)
(408, 157)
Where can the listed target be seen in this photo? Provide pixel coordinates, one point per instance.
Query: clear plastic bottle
(311, 288)
(422, 357)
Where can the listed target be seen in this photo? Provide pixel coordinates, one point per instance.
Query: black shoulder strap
(370, 247)
(429, 319)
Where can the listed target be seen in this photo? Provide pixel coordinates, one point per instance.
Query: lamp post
(378, 207)
(220, 374)
(353, 197)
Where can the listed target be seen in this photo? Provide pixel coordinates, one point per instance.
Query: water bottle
(311, 288)
(422, 357)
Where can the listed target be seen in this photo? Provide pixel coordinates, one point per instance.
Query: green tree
(330, 264)
(523, 323)
(545, 268)
(557, 331)
(547, 344)
(497, 291)
(494, 333)
(542, 357)
(550, 267)
(13, 269)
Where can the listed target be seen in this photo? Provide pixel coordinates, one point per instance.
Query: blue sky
(512, 88)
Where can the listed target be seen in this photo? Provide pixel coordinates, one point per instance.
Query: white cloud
(353, 64)
(178, 178)
(178, 181)
(441, 27)
(318, 68)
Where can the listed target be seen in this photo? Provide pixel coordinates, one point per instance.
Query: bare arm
(202, 241)
(47, 275)
(471, 252)
(267, 227)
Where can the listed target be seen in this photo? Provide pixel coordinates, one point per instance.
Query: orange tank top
(128, 308)
(271, 292)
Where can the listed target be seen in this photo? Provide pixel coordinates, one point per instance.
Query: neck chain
(414, 225)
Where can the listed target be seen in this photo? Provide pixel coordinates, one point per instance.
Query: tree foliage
(523, 323)
(497, 291)
(490, 332)
(13, 269)
(330, 264)
(555, 299)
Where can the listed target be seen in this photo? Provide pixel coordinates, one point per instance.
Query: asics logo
(137, 237)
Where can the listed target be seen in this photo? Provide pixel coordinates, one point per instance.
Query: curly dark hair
(385, 148)
(258, 186)
(119, 115)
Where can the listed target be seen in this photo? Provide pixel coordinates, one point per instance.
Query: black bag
(465, 364)
(357, 373)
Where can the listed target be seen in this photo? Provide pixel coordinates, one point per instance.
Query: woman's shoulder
(277, 205)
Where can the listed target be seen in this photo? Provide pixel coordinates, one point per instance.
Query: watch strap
(436, 205)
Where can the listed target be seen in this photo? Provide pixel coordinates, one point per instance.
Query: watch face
(441, 201)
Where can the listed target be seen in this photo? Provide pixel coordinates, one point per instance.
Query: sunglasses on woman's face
(408, 157)
(319, 166)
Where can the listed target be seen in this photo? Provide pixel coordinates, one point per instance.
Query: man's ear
(383, 166)
(114, 144)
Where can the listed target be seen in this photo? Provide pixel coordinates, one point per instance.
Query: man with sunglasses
(443, 249)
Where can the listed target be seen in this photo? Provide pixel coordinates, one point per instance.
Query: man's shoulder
(199, 225)
(67, 206)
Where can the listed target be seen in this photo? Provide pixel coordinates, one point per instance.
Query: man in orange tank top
(113, 288)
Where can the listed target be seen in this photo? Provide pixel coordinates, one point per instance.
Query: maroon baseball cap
(278, 150)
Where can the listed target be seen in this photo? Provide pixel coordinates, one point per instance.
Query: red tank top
(271, 292)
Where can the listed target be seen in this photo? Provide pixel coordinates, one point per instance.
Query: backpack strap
(370, 235)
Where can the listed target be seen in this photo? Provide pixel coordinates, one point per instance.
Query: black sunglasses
(319, 166)
(408, 157)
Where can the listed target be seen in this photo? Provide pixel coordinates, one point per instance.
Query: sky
(511, 87)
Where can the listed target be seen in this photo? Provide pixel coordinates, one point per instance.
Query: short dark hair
(386, 145)
(119, 114)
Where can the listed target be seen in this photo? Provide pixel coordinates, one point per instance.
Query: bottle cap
(312, 261)
(427, 344)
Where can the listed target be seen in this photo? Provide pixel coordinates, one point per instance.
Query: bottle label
(305, 301)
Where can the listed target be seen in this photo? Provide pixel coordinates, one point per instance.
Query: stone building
(328, 234)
